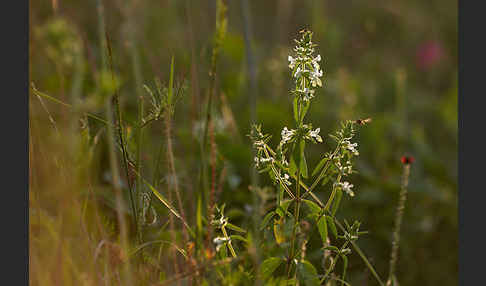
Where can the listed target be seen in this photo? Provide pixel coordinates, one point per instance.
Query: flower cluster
(312, 135)
(306, 132)
(260, 162)
(342, 157)
(284, 179)
(305, 67)
(344, 169)
(287, 136)
(265, 157)
(351, 147)
(346, 187)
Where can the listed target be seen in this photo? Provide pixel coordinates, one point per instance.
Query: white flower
(259, 161)
(220, 241)
(282, 157)
(259, 143)
(286, 179)
(351, 147)
(266, 160)
(307, 93)
(287, 135)
(298, 73)
(315, 76)
(315, 64)
(291, 62)
(346, 186)
(315, 134)
(347, 169)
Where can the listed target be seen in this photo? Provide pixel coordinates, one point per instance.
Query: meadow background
(394, 61)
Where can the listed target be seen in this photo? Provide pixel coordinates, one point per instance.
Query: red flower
(407, 160)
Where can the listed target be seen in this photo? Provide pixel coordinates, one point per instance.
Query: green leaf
(282, 209)
(319, 166)
(285, 282)
(267, 219)
(296, 109)
(303, 167)
(267, 169)
(322, 227)
(300, 151)
(41, 94)
(297, 155)
(235, 228)
(332, 226)
(337, 200)
(305, 108)
(331, 247)
(308, 274)
(278, 231)
(269, 266)
(238, 237)
(313, 207)
(325, 180)
(272, 177)
(292, 167)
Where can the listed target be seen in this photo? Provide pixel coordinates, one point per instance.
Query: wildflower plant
(287, 167)
(221, 222)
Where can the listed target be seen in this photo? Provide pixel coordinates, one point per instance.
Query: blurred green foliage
(394, 61)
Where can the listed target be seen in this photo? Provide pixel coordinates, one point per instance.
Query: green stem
(298, 199)
(331, 198)
(281, 183)
(323, 172)
(361, 254)
(398, 222)
(139, 157)
(230, 246)
(333, 264)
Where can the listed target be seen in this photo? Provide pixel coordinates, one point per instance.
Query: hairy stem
(398, 223)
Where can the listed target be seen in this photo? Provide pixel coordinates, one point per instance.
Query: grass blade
(167, 204)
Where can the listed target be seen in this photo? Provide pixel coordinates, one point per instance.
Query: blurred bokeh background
(393, 61)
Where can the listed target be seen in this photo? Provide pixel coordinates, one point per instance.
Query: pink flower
(429, 54)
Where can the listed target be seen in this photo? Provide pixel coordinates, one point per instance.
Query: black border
(471, 155)
(14, 25)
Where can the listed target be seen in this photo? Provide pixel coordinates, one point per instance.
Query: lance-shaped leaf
(307, 273)
(322, 227)
(235, 228)
(267, 219)
(319, 166)
(269, 266)
(332, 226)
